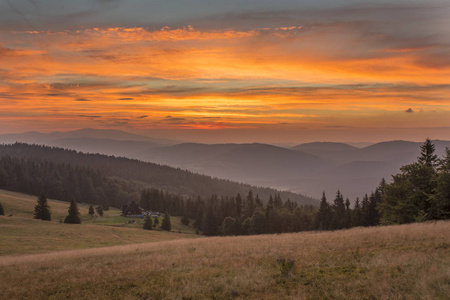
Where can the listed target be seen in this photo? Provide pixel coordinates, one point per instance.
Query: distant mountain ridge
(308, 168)
(91, 133)
(105, 141)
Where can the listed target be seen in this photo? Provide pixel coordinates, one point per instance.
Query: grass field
(21, 234)
(390, 262)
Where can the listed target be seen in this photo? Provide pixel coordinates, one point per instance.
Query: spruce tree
(238, 202)
(165, 224)
(323, 216)
(99, 210)
(338, 209)
(411, 196)
(427, 156)
(91, 210)
(209, 222)
(74, 214)
(2, 212)
(357, 214)
(148, 224)
(42, 209)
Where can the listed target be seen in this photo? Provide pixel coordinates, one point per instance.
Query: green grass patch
(21, 234)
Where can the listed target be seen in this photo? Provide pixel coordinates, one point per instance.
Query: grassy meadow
(21, 234)
(390, 262)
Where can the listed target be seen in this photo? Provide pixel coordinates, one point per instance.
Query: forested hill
(129, 174)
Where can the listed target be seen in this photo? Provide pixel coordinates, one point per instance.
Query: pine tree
(238, 202)
(249, 207)
(348, 214)
(411, 196)
(99, 210)
(74, 214)
(148, 224)
(42, 209)
(2, 212)
(155, 222)
(91, 210)
(338, 210)
(427, 156)
(209, 222)
(357, 214)
(165, 224)
(323, 216)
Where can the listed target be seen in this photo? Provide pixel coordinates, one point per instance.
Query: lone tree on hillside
(148, 224)
(91, 210)
(74, 214)
(42, 210)
(165, 224)
(2, 212)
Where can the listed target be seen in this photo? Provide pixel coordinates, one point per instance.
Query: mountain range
(308, 168)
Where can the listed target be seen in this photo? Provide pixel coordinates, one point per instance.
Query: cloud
(90, 116)
(409, 110)
(142, 117)
(176, 120)
(82, 99)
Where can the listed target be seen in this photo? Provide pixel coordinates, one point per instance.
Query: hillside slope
(21, 234)
(169, 179)
(392, 262)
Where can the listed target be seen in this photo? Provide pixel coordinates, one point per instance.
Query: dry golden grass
(393, 262)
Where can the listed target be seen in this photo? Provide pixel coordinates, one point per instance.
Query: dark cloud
(409, 110)
(90, 116)
(82, 99)
(142, 117)
(176, 120)
(125, 99)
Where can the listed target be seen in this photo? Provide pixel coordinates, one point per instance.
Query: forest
(420, 192)
(124, 178)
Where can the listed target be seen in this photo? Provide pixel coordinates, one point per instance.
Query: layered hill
(309, 168)
(132, 174)
(306, 168)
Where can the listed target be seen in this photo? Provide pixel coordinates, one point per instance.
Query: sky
(228, 71)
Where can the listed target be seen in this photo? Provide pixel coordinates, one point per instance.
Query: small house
(131, 209)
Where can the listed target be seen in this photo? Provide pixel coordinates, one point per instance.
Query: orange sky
(323, 80)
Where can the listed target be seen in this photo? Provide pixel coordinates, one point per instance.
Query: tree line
(143, 174)
(420, 192)
(65, 182)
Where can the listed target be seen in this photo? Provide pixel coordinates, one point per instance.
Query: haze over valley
(308, 168)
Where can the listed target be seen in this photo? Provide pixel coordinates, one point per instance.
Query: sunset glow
(351, 73)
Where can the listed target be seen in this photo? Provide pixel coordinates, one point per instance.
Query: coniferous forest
(108, 180)
(420, 192)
